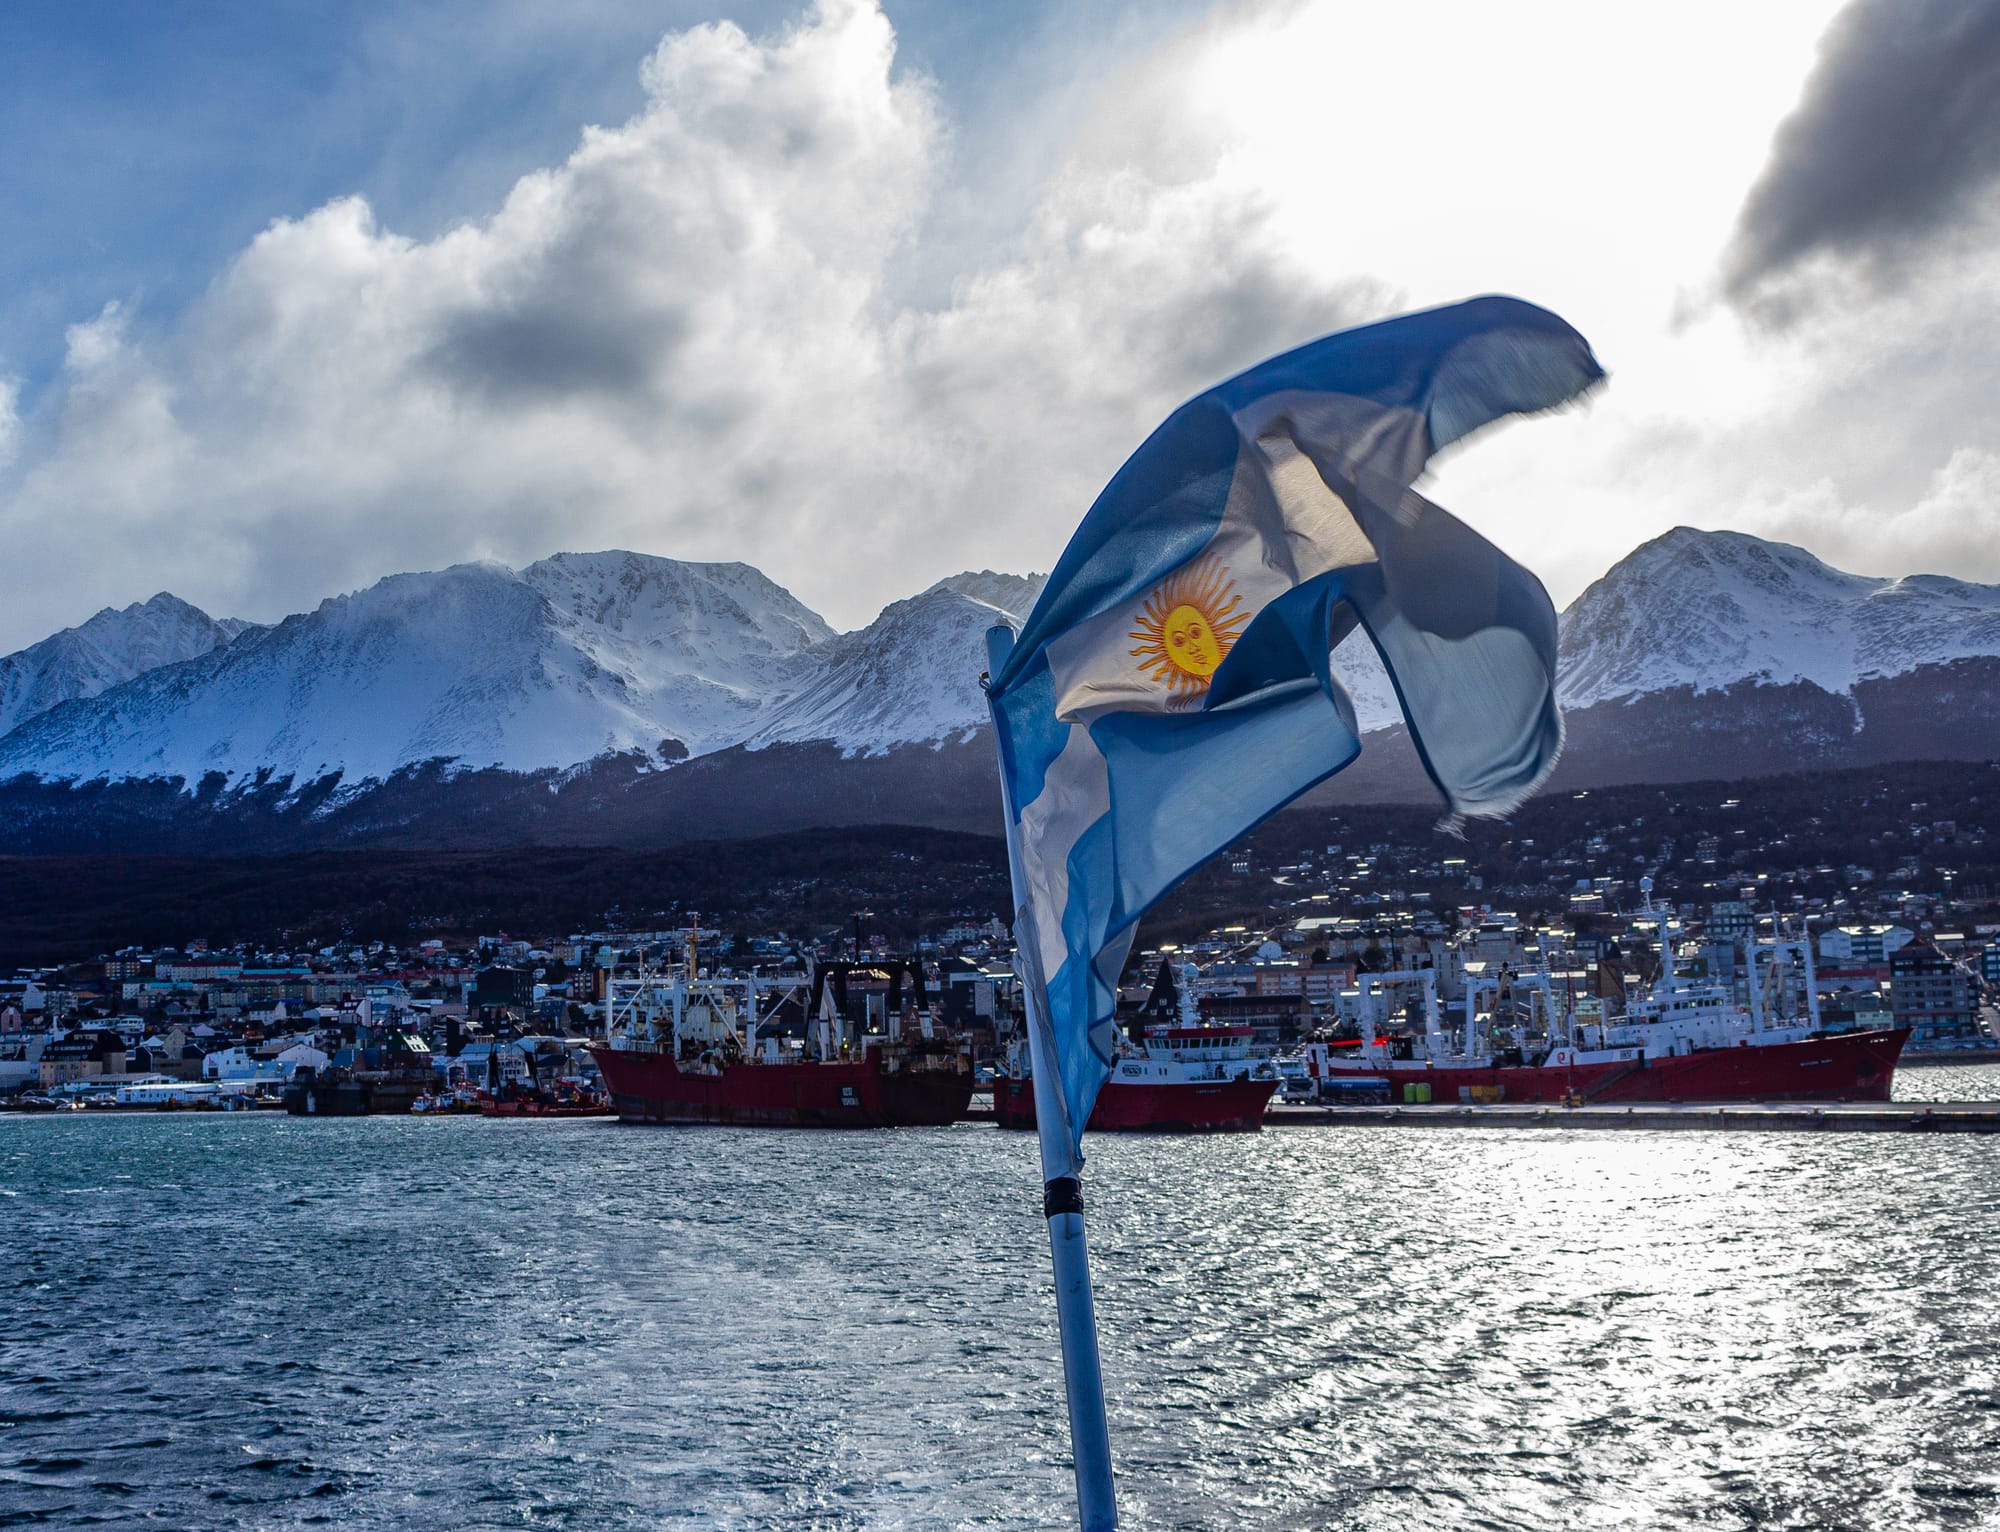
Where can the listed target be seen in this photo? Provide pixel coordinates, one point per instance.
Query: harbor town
(1319, 944)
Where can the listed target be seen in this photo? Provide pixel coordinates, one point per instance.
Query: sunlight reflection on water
(463, 1323)
(1977, 1081)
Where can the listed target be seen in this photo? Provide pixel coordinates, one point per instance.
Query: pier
(1651, 1116)
(1742, 1117)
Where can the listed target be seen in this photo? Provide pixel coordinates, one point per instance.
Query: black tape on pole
(1062, 1195)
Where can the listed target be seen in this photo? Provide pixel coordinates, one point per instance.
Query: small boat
(563, 1101)
(446, 1103)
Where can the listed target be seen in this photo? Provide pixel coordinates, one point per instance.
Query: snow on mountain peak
(1708, 610)
(111, 647)
(479, 664)
(584, 654)
(911, 676)
(669, 602)
(1010, 594)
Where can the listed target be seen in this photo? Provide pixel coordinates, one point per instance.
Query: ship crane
(1778, 950)
(656, 1006)
(1374, 992)
(1535, 984)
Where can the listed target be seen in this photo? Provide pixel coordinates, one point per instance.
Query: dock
(1649, 1116)
(1736, 1117)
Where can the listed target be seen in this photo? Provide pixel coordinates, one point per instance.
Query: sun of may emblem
(1187, 627)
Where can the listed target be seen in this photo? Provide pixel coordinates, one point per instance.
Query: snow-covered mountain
(702, 651)
(1702, 653)
(909, 677)
(112, 647)
(1711, 610)
(572, 658)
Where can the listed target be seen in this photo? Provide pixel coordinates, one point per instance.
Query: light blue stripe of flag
(1287, 490)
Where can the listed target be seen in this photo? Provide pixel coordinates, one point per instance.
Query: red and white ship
(1184, 1078)
(1686, 1040)
(682, 1049)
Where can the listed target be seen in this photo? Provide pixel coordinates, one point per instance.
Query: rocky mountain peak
(581, 656)
(111, 647)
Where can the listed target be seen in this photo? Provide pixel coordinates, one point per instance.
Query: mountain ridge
(1775, 614)
(608, 694)
(570, 658)
(111, 647)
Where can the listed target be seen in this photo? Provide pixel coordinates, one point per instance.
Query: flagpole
(1062, 1189)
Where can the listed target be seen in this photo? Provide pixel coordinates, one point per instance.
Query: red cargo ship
(1686, 1040)
(876, 1091)
(1182, 1079)
(687, 1051)
(1837, 1066)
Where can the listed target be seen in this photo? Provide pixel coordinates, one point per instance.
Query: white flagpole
(1062, 1190)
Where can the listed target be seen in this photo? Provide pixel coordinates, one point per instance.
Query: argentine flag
(1173, 686)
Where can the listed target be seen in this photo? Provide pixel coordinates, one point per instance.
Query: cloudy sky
(299, 294)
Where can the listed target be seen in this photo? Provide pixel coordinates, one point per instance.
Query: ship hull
(360, 1096)
(1848, 1066)
(327, 1100)
(540, 1109)
(1205, 1106)
(651, 1088)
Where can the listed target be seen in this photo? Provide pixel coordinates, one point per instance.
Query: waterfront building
(1273, 980)
(242, 1064)
(1932, 996)
(1322, 982)
(85, 1055)
(20, 1061)
(1869, 946)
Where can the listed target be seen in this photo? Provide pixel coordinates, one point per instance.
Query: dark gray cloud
(1893, 149)
(545, 354)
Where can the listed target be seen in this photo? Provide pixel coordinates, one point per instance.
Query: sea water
(265, 1322)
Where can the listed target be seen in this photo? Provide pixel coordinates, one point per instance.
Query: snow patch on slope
(1360, 669)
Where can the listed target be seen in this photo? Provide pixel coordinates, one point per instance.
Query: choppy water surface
(268, 1322)
(1975, 1081)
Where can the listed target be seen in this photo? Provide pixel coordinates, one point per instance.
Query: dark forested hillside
(1811, 834)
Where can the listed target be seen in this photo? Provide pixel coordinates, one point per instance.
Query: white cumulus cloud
(750, 322)
(686, 338)
(1952, 528)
